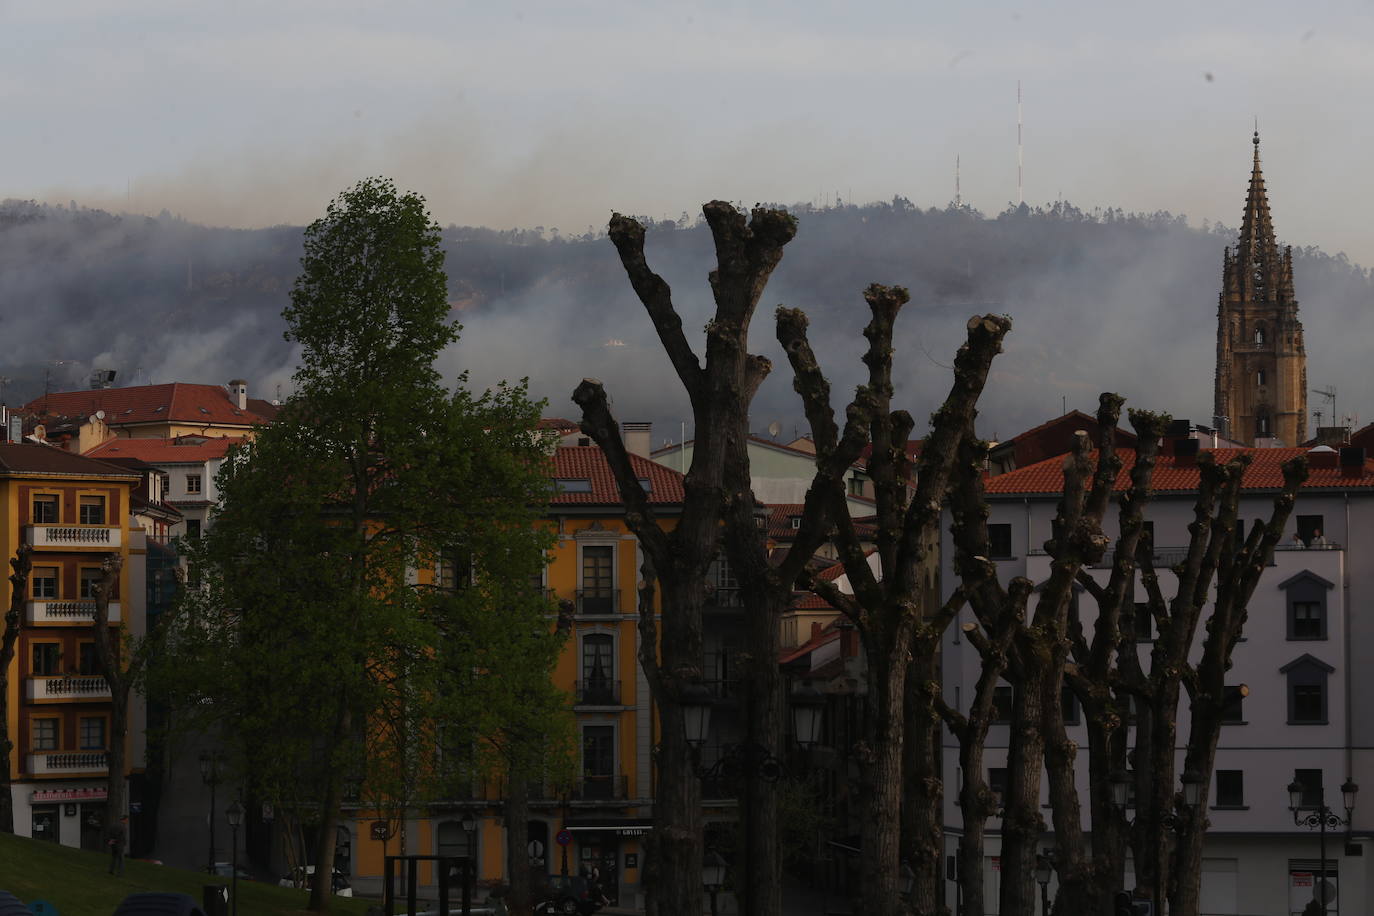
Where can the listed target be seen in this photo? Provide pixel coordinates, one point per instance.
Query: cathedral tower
(1261, 379)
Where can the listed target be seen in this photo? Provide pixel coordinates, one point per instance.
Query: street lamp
(234, 814)
(1042, 877)
(469, 826)
(808, 708)
(1120, 781)
(712, 875)
(209, 774)
(695, 701)
(1319, 817)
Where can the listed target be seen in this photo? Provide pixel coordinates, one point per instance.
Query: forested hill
(1100, 300)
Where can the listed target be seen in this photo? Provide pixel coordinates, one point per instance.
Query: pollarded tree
(311, 616)
(20, 564)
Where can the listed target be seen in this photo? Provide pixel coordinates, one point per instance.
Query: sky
(249, 113)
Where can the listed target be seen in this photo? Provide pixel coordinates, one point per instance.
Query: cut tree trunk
(517, 842)
(21, 564)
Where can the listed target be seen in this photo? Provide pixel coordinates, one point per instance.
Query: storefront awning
(620, 826)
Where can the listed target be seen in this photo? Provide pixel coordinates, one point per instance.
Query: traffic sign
(564, 837)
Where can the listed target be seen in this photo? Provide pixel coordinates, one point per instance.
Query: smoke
(1099, 302)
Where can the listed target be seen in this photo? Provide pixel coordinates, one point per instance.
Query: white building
(189, 465)
(1307, 658)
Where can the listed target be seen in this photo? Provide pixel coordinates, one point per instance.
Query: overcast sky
(257, 112)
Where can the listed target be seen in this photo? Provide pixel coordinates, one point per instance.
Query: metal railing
(602, 788)
(597, 692)
(595, 601)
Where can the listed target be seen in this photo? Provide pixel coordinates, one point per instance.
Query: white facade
(1258, 861)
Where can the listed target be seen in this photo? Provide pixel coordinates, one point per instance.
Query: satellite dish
(774, 428)
(100, 414)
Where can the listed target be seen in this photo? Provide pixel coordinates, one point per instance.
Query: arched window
(1262, 426)
(1260, 378)
(1259, 334)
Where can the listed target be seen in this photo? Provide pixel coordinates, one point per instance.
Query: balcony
(67, 611)
(68, 763)
(68, 537)
(68, 687)
(597, 692)
(598, 602)
(602, 788)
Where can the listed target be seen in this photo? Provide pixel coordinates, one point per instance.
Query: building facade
(1261, 373)
(74, 512)
(1298, 675)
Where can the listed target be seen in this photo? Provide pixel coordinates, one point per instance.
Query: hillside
(1101, 300)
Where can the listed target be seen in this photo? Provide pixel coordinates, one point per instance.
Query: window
(1001, 704)
(1230, 789)
(192, 483)
(1259, 377)
(856, 486)
(997, 783)
(999, 541)
(795, 520)
(46, 659)
(1311, 782)
(1307, 690)
(572, 485)
(1068, 704)
(90, 580)
(87, 662)
(598, 669)
(1262, 425)
(598, 594)
(43, 582)
(44, 734)
(45, 509)
(1144, 622)
(92, 733)
(598, 761)
(1232, 699)
(1305, 596)
(193, 528)
(1309, 526)
(92, 510)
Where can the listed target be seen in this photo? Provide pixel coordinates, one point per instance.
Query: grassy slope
(78, 883)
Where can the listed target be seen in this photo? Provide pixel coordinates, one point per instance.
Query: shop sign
(52, 795)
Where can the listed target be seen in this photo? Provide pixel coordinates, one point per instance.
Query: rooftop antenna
(1020, 192)
(1329, 392)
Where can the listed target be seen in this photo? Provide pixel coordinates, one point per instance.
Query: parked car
(567, 895)
(226, 870)
(305, 877)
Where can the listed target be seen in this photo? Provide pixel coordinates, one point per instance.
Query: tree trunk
(1070, 848)
(517, 842)
(330, 802)
(21, 563)
(975, 803)
(880, 779)
(1022, 824)
(762, 892)
(923, 795)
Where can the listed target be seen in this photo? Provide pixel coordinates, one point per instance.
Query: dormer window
(1307, 690)
(1305, 599)
(795, 520)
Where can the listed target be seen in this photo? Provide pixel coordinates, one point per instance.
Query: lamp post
(1042, 877)
(234, 814)
(469, 827)
(1319, 817)
(1169, 820)
(712, 875)
(209, 774)
(748, 760)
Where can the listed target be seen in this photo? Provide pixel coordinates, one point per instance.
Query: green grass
(79, 884)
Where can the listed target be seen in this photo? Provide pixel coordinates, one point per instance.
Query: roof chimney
(1323, 456)
(238, 393)
(1352, 461)
(638, 438)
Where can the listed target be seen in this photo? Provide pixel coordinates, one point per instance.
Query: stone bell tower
(1261, 377)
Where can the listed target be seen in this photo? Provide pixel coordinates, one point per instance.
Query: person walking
(115, 839)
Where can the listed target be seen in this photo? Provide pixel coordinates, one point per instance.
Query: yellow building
(595, 563)
(73, 512)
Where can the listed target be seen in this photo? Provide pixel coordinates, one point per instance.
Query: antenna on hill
(958, 199)
(1020, 191)
(1329, 392)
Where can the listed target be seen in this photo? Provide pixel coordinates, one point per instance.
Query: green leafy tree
(314, 633)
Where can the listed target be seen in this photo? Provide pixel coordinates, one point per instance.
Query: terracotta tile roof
(828, 635)
(1181, 475)
(180, 450)
(1055, 437)
(557, 423)
(177, 401)
(760, 440)
(586, 462)
(31, 458)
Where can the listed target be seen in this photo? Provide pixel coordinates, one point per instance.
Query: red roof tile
(1175, 475)
(176, 401)
(587, 462)
(31, 458)
(1055, 437)
(558, 423)
(180, 450)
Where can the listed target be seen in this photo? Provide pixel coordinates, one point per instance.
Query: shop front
(615, 849)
